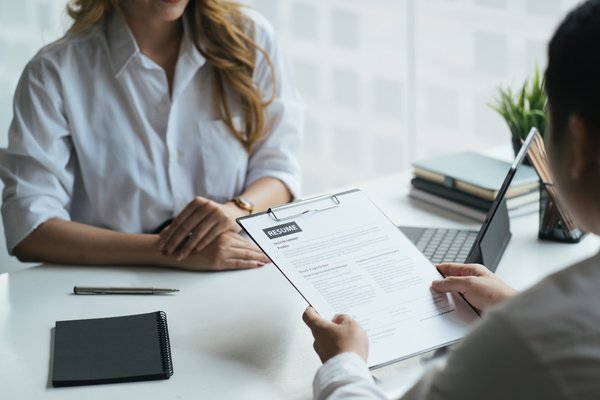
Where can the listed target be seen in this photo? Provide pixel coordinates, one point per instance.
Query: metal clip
(274, 210)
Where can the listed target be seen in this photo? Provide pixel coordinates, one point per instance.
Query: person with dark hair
(545, 342)
(572, 77)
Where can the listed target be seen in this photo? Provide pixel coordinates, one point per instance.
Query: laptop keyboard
(446, 245)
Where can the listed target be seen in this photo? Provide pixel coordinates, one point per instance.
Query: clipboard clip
(274, 210)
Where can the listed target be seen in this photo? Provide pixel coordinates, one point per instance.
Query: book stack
(467, 183)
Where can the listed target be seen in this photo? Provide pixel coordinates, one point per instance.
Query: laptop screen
(505, 185)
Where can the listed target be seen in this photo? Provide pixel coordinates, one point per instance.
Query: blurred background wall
(390, 81)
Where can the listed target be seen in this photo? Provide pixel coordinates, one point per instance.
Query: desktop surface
(235, 334)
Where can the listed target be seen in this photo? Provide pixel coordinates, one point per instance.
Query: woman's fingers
(195, 229)
(245, 244)
(184, 233)
(237, 241)
(227, 251)
(208, 236)
(206, 226)
(242, 264)
(249, 253)
(243, 260)
(167, 233)
(178, 230)
(234, 252)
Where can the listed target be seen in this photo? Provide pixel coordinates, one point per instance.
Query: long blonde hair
(223, 34)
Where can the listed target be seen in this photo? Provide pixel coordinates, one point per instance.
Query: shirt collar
(188, 46)
(121, 43)
(123, 47)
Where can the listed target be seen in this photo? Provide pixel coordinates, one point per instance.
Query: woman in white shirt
(545, 342)
(150, 114)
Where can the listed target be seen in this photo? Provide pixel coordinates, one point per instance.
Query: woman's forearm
(66, 242)
(264, 193)
(267, 192)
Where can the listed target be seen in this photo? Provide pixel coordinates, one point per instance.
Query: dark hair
(573, 74)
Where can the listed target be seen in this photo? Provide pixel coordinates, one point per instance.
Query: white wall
(390, 81)
(385, 81)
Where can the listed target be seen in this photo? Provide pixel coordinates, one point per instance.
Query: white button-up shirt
(96, 137)
(543, 344)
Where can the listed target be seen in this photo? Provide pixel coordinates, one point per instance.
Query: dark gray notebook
(110, 350)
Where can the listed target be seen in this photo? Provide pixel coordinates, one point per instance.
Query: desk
(234, 335)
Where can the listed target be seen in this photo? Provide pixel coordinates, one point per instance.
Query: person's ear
(582, 147)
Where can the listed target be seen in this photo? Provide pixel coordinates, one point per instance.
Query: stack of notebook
(467, 183)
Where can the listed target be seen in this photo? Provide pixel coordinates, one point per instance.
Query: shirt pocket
(224, 160)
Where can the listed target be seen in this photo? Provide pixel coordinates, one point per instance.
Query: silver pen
(121, 290)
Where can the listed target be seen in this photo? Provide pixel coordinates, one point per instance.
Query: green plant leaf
(524, 109)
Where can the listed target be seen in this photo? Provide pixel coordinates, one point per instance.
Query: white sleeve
(277, 155)
(37, 166)
(345, 376)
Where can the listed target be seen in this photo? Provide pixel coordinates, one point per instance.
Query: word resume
(345, 256)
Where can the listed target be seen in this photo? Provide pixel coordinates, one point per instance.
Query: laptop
(485, 246)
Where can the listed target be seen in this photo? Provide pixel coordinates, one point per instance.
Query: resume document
(350, 258)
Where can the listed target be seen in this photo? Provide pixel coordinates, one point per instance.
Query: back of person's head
(573, 74)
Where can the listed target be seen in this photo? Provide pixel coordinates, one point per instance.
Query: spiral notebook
(110, 350)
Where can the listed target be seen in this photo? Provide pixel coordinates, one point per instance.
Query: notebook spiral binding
(165, 344)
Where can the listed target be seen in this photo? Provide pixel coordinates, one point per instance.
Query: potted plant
(523, 109)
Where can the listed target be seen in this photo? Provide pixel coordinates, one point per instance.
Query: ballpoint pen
(121, 290)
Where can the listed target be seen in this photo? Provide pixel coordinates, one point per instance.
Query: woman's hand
(227, 251)
(200, 222)
(480, 286)
(342, 335)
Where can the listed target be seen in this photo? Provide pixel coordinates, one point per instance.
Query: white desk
(234, 335)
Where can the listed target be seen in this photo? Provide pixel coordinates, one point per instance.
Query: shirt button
(176, 155)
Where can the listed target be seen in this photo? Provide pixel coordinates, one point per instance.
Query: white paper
(352, 259)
